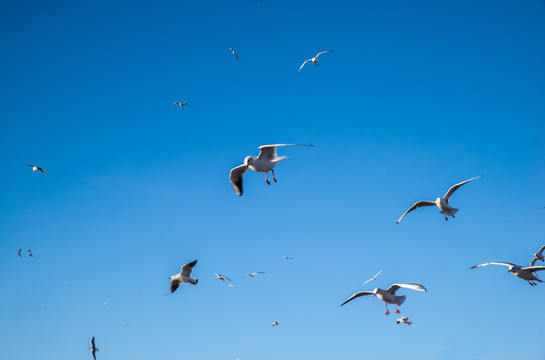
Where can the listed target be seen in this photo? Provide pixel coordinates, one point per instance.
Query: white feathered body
(389, 298)
(263, 165)
(445, 208)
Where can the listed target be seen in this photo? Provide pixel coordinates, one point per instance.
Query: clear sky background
(416, 96)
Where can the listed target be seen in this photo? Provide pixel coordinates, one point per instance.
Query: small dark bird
(29, 252)
(234, 52)
(93, 348)
(182, 104)
(19, 252)
(34, 168)
(287, 257)
(275, 323)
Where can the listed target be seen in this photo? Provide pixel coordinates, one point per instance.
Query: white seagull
(538, 256)
(255, 273)
(315, 59)
(221, 277)
(275, 323)
(441, 203)
(181, 104)
(35, 167)
(264, 162)
(29, 252)
(388, 295)
(524, 273)
(183, 276)
(404, 320)
(234, 52)
(93, 348)
(373, 278)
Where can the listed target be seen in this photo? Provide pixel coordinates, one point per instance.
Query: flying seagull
(221, 277)
(404, 320)
(264, 162)
(388, 295)
(29, 252)
(255, 273)
(315, 59)
(538, 256)
(19, 252)
(275, 323)
(524, 273)
(93, 348)
(234, 52)
(287, 257)
(373, 278)
(183, 276)
(34, 168)
(441, 203)
(182, 104)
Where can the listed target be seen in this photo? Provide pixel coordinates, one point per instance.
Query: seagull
(287, 257)
(234, 52)
(29, 252)
(19, 252)
(373, 278)
(264, 162)
(231, 285)
(315, 59)
(93, 348)
(524, 273)
(221, 277)
(183, 276)
(255, 273)
(34, 168)
(404, 320)
(165, 294)
(125, 324)
(537, 256)
(388, 295)
(275, 323)
(441, 203)
(182, 104)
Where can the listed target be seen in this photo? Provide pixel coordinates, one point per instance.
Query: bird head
(249, 160)
(375, 291)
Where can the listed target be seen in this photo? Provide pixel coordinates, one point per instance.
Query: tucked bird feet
(387, 312)
(397, 311)
(268, 182)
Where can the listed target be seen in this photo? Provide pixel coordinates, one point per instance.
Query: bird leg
(397, 310)
(267, 178)
(446, 218)
(272, 170)
(387, 311)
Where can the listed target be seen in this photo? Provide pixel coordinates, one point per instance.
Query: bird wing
(306, 61)
(322, 52)
(42, 171)
(532, 263)
(394, 287)
(357, 295)
(186, 269)
(534, 268)
(493, 263)
(417, 205)
(453, 188)
(235, 176)
(269, 151)
(93, 342)
(174, 285)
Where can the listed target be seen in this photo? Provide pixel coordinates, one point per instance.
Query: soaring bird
(234, 52)
(524, 273)
(255, 273)
(29, 252)
(287, 257)
(373, 278)
(404, 320)
(182, 104)
(35, 167)
(315, 59)
(183, 276)
(221, 277)
(264, 162)
(19, 252)
(93, 348)
(275, 323)
(388, 295)
(441, 203)
(538, 256)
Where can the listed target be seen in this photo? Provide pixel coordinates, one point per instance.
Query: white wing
(534, 268)
(394, 287)
(373, 278)
(269, 151)
(306, 61)
(186, 269)
(357, 295)
(453, 188)
(417, 205)
(235, 176)
(322, 52)
(493, 263)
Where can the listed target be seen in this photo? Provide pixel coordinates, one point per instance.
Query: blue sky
(415, 97)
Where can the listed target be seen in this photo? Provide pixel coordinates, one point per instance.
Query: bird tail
(454, 211)
(279, 158)
(400, 300)
(193, 281)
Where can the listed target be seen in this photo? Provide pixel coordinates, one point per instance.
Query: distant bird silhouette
(221, 277)
(441, 203)
(29, 252)
(93, 348)
(538, 256)
(315, 59)
(181, 104)
(34, 168)
(255, 273)
(287, 257)
(275, 323)
(373, 278)
(183, 276)
(404, 320)
(234, 52)
(19, 252)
